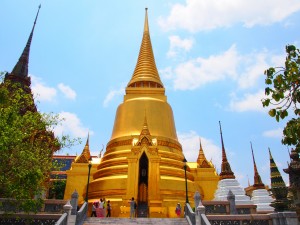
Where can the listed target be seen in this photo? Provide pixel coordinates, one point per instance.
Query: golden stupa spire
(202, 161)
(145, 74)
(258, 184)
(85, 156)
(226, 172)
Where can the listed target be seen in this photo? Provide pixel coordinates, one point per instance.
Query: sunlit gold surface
(130, 116)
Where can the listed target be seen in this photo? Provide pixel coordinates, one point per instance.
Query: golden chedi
(144, 158)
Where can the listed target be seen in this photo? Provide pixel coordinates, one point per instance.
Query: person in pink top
(178, 209)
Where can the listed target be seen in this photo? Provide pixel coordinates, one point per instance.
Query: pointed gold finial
(86, 154)
(146, 26)
(145, 74)
(145, 130)
(202, 161)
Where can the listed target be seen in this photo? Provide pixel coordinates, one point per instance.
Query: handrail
(63, 220)
(81, 214)
(204, 220)
(189, 214)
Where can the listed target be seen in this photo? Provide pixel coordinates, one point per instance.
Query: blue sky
(211, 56)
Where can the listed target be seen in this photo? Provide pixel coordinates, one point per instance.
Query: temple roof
(145, 74)
(226, 172)
(276, 178)
(202, 161)
(258, 184)
(85, 156)
(20, 71)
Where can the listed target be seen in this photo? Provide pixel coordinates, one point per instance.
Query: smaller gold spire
(202, 161)
(85, 156)
(145, 130)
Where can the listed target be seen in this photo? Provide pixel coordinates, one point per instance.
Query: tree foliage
(27, 144)
(57, 189)
(283, 95)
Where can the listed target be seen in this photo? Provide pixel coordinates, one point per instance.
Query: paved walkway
(141, 221)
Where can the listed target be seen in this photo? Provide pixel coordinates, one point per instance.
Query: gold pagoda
(143, 158)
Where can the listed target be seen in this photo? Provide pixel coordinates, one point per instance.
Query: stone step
(141, 221)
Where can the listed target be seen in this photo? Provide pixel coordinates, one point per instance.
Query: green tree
(27, 144)
(57, 189)
(283, 95)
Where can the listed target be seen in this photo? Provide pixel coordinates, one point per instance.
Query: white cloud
(67, 91)
(166, 73)
(200, 71)
(44, 93)
(247, 69)
(71, 125)
(277, 133)
(253, 71)
(177, 44)
(191, 145)
(113, 93)
(41, 91)
(249, 102)
(195, 15)
(255, 64)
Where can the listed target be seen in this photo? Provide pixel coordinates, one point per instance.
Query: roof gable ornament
(145, 137)
(202, 161)
(85, 156)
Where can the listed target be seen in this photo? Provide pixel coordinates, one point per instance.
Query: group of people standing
(101, 208)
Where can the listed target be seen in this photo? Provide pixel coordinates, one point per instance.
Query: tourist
(98, 212)
(104, 206)
(132, 207)
(94, 209)
(101, 210)
(178, 209)
(108, 209)
(101, 203)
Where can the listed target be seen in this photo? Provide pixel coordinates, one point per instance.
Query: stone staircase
(140, 221)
